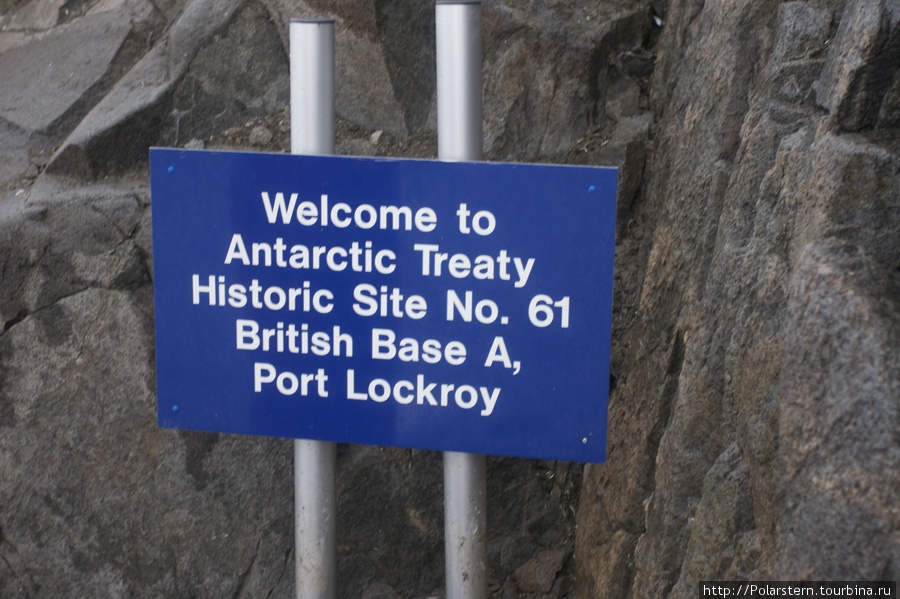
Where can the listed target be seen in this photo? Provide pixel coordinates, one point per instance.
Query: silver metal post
(312, 132)
(458, 36)
(458, 32)
(465, 525)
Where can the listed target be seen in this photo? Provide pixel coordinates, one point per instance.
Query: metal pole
(458, 36)
(312, 132)
(458, 33)
(312, 86)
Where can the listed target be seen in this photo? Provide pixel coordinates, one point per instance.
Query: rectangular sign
(411, 303)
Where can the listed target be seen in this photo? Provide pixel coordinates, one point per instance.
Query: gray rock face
(44, 79)
(766, 307)
(756, 345)
(566, 48)
(838, 481)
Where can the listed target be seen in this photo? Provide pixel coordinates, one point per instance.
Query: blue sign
(411, 303)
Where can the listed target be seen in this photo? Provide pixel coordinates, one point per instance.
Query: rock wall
(755, 426)
(754, 413)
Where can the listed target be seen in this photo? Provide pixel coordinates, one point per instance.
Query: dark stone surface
(762, 332)
(44, 79)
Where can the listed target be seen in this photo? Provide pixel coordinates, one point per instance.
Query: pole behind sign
(458, 36)
(312, 132)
